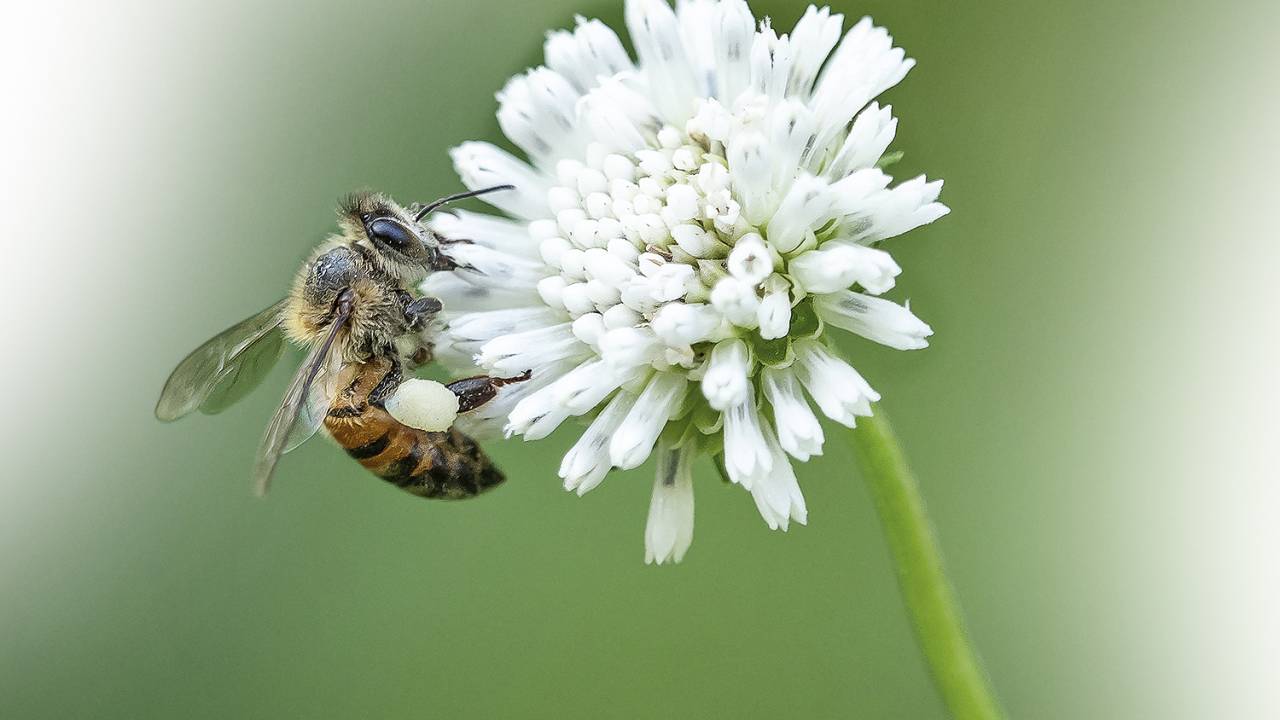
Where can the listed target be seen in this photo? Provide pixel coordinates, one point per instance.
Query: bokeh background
(1094, 426)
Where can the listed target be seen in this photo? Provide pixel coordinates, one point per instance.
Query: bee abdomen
(440, 465)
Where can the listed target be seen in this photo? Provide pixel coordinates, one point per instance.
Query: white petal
(633, 442)
(591, 51)
(573, 393)
(806, 207)
(774, 314)
(837, 265)
(490, 231)
(793, 136)
(580, 391)
(799, 432)
(488, 420)
(734, 34)
(587, 462)
(669, 530)
(813, 38)
(603, 265)
(510, 355)
(776, 492)
(890, 213)
(629, 347)
(737, 301)
(491, 324)
(458, 295)
(672, 281)
(725, 383)
(681, 323)
(836, 388)
(771, 58)
(869, 137)
(750, 261)
(468, 332)
(618, 115)
(620, 316)
(746, 454)
(863, 66)
(873, 318)
(486, 267)
(589, 328)
(482, 165)
(655, 33)
(538, 414)
(750, 172)
(699, 243)
(696, 17)
(853, 194)
(536, 111)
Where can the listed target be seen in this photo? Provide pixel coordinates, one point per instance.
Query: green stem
(928, 595)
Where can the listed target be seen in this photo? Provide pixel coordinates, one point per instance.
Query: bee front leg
(474, 392)
(418, 313)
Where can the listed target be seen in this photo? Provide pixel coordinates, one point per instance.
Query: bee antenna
(460, 196)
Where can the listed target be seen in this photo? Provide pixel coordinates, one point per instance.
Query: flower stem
(928, 594)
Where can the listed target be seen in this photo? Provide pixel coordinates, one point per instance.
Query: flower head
(685, 230)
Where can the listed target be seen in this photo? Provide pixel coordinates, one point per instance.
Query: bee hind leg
(473, 392)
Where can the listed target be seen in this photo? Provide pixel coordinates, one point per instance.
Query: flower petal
(489, 419)
(482, 165)
(806, 206)
(873, 318)
(486, 267)
(836, 388)
(633, 442)
(536, 111)
(617, 115)
(799, 432)
(725, 383)
(837, 265)
(511, 355)
(864, 65)
(585, 55)
(491, 231)
(734, 33)
(458, 295)
(669, 530)
(655, 33)
(814, 36)
(890, 213)
(587, 462)
(776, 492)
(746, 456)
(869, 137)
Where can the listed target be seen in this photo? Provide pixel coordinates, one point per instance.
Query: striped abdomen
(446, 465)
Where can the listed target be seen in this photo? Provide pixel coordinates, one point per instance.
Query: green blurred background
(1093, 425)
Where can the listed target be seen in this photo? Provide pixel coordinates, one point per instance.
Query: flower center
(656, 239)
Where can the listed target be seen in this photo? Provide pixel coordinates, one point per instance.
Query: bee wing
(282, 423)
(311, 416)
(224, 369)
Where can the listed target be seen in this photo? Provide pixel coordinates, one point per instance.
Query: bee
(352, 306)
(444, 464)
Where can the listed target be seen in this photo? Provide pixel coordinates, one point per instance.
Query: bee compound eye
(390, 233)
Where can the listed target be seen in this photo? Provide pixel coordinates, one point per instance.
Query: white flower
(683, 232)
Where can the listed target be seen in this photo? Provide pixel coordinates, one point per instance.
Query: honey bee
(352, 306)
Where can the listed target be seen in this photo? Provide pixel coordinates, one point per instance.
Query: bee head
(405, 249)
